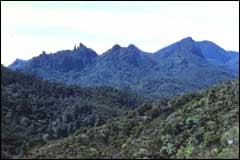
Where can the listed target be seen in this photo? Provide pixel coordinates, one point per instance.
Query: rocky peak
(188, 39)
(116, 47)
(132, 47)
(82, 46)
(84, 50)
(186, 42)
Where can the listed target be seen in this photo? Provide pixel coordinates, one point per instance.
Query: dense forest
(119, 80)
(40, 119)
(203, 124)
(125, 103)
(34, 111)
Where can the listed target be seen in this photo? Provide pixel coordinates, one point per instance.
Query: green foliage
(194, 125)
(188, 126)
(229, 153)
(185, 152)
(155, 112)
(34, 111)
(231, 137)
(192, 121)
(167, 150)
(211, 139)
(144, 108)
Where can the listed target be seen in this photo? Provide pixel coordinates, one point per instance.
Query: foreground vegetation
(34, 111)
(204, 124)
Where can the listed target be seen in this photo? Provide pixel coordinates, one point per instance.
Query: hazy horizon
(28, 28)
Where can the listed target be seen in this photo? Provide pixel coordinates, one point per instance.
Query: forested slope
(34, 111)
(204, 124)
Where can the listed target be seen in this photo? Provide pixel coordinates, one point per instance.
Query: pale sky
(28, 28)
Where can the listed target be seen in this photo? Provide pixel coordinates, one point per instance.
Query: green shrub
(229, 153)
(167, 150)
(211, 139)
(192, 121)
(185, 152)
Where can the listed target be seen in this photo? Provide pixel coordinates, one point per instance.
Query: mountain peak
(19, 60)
(116, 47)
(17, 63)
(132, 46)
(186, 46)
(86, 51)
(82, 46)
(187, 39)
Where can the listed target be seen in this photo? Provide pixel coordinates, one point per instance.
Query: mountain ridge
(130, 67)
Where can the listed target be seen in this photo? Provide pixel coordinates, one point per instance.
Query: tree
(155, 112)
(145, 107)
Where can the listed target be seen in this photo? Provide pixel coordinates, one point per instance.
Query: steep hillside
(220, 57)
(203, 124)
(18, 63)
(34, 111)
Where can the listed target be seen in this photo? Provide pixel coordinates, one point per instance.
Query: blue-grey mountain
(218, 56)
(184, 66)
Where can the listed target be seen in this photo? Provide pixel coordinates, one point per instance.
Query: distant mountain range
(184, 66)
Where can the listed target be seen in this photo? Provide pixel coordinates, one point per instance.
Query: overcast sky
(28, 28)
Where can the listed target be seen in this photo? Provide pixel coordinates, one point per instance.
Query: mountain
(175, 69)
(131, 55)
(181, 68)
(18, 63)
(199, 125)
(34, 111)
(233, 62)
(119, 67)
(218, 56)
(64, 61)
(182, 57)
(185, 46)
